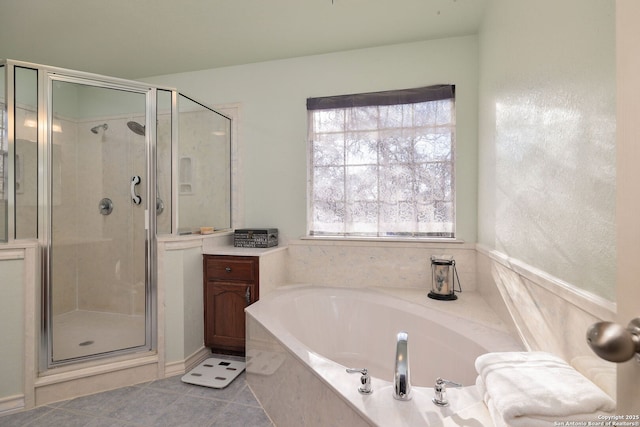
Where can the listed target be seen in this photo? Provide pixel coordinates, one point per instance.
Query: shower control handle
(105, 206)
(135, 180)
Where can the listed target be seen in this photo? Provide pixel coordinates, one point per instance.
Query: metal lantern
(443, 278)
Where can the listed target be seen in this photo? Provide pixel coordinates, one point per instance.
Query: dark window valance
(390, 97)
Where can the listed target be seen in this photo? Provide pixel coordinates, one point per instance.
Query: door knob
(613, 342)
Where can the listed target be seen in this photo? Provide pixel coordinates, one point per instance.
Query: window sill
(381, 241)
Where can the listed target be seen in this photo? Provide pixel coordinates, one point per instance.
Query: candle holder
(443, 278)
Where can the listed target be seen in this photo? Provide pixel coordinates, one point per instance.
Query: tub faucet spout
(401, 383)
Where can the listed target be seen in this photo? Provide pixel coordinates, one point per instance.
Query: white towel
(537, 388)
(599, 371)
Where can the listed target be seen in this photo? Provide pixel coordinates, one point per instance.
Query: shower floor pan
(82, 333)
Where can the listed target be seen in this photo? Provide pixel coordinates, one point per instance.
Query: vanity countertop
(232, 250)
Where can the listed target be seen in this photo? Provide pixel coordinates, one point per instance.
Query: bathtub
(300, 340)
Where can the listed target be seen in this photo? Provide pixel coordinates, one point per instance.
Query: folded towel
(540, 420)
(480, 384)
(536, 388)
(601, 372)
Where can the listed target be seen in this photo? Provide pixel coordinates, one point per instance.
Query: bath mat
(214, 373)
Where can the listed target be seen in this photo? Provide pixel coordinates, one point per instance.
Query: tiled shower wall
(203, 172)
(95, 270)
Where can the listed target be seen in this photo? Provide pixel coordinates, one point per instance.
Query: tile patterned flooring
(166, 402)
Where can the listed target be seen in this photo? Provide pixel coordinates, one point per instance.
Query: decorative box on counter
(255, 237)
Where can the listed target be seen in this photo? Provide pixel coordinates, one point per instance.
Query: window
(382, 164)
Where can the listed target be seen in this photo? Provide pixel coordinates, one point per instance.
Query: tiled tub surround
(549, 314)
(375, 263)
(301, 338)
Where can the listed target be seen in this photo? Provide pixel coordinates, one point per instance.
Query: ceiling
(143, 38)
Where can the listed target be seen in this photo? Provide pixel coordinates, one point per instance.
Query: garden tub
(301, 339)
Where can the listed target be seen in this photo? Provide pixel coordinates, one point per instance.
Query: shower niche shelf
(231, 283)
(186, 167)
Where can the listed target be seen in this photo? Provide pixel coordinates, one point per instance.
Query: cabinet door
(225, 318)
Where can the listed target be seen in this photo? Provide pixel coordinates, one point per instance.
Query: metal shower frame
(46, 75)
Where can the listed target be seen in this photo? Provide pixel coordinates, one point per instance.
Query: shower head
(103, 126)
(136, 128)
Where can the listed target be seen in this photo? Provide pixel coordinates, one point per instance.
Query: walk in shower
(98, 240)
(93, 168)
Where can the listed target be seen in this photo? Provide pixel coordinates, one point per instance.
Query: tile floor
(166, 402)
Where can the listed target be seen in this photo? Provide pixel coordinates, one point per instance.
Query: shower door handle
(135, 180)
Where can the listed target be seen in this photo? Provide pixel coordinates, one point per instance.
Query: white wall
(274, 123)
(541, 167)
(18, 265)
(11, 325)
(547, 138)
(180, 264)
(628, 204)
(547, 174)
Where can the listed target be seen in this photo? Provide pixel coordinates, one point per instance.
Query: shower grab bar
(135, 180)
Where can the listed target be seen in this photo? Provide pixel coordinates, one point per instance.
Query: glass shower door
(97, 254)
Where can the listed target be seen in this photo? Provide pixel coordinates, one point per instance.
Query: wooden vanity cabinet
(230, 284)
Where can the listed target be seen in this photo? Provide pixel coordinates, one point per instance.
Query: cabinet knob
(227, 269)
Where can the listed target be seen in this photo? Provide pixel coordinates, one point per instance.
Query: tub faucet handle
(365, 380)
(440, 390)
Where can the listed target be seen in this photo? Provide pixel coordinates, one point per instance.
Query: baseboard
(12, 404)
(182, 366)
